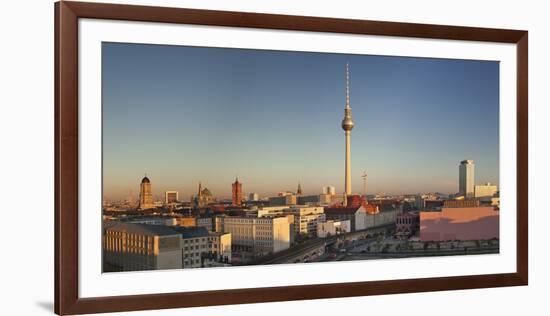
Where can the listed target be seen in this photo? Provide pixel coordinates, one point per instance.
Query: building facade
(357, 216)
(171, 197)
(256, 235)
(466, 223)
(407, 225)
(329, 190)
(306, 219)
(136, 247)
(333, 227)
(288, 199)
(466, 178)
(253, 197)
(485, 190)
(220, 246)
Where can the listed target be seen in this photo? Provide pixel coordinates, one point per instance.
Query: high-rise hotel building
(466, 178)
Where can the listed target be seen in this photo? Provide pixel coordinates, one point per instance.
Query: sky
(187, 114)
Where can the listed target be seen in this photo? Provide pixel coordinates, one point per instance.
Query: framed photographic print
(211, 157)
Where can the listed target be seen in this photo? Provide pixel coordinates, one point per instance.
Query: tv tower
(347, 126)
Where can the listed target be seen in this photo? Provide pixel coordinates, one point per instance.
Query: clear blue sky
(188, 114)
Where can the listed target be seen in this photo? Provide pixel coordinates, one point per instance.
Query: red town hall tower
(237, 192)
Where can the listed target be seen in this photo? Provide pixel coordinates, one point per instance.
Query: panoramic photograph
(220, 157)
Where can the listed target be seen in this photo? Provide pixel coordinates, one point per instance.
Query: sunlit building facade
(466, 178)
(146, 194)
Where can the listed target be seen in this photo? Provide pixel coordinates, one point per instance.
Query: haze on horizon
(272, 118)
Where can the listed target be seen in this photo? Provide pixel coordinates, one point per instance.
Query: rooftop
(141, 229)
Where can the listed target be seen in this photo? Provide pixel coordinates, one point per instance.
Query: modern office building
(171, 197)
(287, 199)
(253, 197)
(329, 190)
(485, 190)
(306, 218)
(146, 195)
(256, 235)
(308, 200)
(466, 178)
(237, 192)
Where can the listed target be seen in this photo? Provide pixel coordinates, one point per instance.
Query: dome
(145, 180)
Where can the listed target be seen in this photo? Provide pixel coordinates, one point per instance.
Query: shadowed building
(134, 247)
(466, 223)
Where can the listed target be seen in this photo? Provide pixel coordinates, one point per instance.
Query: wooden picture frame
(67, 14)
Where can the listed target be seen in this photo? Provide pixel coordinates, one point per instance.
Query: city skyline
(272, 118)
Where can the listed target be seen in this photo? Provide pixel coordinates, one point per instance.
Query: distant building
(151, 220)
(329, 190)
(419, 202)
(253, 197)
(433, 205)
(145, 195)
(185, 221)
(288, 199)
(206, 222)
(466, 178)
(203, 197)
(299, 190)
(237, 192)
(466, 223)
(308, 200)
(485, 190)
(325, 199)
(333, 227)
(461, 203)
(171, 197)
